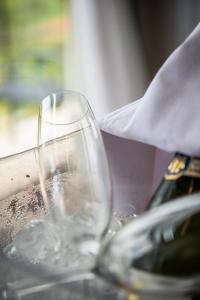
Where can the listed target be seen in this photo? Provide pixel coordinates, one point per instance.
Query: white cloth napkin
(166, 117)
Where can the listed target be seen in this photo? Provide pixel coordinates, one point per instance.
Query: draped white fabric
(167, 118)
(168, 115)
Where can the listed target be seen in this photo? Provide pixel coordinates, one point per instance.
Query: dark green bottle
(177, 252)
(182, 178)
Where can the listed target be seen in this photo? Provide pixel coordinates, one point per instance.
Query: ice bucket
(21, 201)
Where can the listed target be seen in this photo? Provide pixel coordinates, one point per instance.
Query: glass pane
(32, 38)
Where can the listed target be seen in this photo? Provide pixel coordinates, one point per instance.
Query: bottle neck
(183, 165)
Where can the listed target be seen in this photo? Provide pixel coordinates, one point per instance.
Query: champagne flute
(74, 174)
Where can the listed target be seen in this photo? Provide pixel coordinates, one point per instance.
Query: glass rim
(63, 92)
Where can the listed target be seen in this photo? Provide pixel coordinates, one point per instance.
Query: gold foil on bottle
(178, 168)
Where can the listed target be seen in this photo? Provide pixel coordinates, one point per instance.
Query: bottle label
(183, 165)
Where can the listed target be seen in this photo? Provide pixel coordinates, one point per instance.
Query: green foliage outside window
(32, 37)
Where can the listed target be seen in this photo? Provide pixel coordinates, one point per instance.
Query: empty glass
(129, 258)
(74, 179)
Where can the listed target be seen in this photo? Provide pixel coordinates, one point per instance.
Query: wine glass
(74, 174)
(156, 260)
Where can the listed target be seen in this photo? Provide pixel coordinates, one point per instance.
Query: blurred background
(109, 50)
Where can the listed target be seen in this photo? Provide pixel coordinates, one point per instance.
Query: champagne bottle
(181, 178)
(178, 251)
